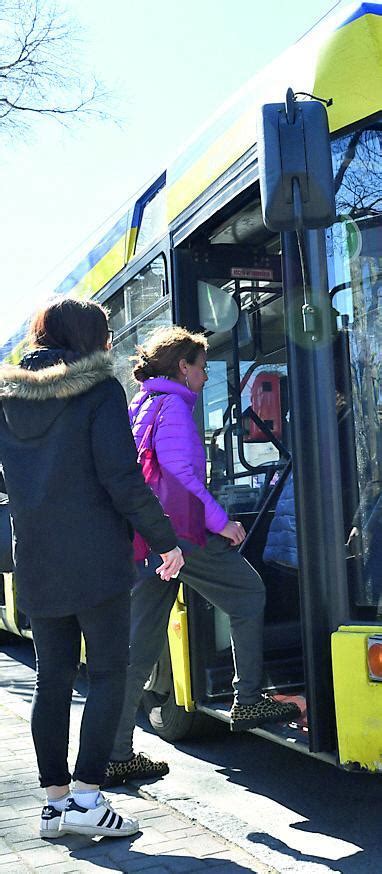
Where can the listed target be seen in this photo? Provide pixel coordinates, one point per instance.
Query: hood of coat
(159, 385)
(44, 377)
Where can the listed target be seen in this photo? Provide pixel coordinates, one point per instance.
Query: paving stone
(141, 863)
(195, 865)
(9, 795)
(40, 856)
(100, 866)
(191, 832)
(167, 823)
(23, 803)
(28, 845)
(6, 813)
(228, 868)
(17, 831)
(203, 845)
(7, 858)
(139, 805)
(157, 867)
(60, 868)
(16, 868)
(86, 851)
(7, 825)
(149, 835)
(4, 847)
(121, 851)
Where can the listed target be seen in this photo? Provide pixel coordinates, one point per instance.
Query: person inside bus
(171, 368)
(76, 493)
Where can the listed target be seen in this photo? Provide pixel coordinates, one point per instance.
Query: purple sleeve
(175, 445)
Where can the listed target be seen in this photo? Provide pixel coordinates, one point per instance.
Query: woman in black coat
(76, 495)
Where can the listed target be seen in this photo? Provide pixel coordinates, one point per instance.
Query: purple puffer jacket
(177, 444)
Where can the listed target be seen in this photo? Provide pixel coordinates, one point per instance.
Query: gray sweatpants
(219, 573)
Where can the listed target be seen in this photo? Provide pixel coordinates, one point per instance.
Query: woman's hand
(173, 561)
(234, 532)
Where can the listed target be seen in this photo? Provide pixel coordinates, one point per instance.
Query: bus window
(146, 308)
(116, 310)
(355, 272)
(145, 289)
(125, 346)
(153, 223)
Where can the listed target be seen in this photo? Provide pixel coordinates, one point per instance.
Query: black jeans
(57, 643)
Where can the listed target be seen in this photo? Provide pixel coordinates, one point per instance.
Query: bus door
(236, 296)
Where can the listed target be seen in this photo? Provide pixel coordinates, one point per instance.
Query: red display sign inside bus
(264, 273)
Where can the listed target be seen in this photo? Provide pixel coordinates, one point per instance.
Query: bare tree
(41, 67)
(358, 172)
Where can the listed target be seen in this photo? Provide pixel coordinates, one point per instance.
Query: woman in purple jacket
(171, 368)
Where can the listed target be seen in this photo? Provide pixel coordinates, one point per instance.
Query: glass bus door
(236, 296)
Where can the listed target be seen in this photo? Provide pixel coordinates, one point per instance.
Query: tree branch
(41, 71)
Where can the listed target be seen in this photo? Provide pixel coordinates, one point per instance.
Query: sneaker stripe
(120, 821)
(104, 818)
(112, 819)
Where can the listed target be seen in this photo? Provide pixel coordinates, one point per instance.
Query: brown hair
(161, 354)
(65, 323)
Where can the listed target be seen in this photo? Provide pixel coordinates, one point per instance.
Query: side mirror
(295, 165)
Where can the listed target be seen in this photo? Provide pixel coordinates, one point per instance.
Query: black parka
(75, 489)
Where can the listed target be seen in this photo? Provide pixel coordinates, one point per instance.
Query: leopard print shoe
(266, 709)
(138, 768)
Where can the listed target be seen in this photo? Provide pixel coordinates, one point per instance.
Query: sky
(170, 64)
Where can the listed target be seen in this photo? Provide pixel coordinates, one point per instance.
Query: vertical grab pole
(327, 416)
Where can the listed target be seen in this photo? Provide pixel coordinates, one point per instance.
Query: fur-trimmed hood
(59, 381)
(53, 385)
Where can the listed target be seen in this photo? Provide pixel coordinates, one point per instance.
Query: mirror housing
(295, 165)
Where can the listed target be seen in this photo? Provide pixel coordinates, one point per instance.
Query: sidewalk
(166, 843)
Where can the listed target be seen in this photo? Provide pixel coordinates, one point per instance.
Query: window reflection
(140, 293)
(145, 289)
(242, 462)
(355, 272)
(125, 348)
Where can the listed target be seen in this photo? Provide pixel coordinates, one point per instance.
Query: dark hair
(78, 326)
(161, 354)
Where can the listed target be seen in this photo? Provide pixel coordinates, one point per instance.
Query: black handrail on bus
(266, 504)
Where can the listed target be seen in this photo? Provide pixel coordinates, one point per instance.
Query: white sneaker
(100, 820)
(50, 822)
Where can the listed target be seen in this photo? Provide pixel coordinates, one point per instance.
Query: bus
(191, 248)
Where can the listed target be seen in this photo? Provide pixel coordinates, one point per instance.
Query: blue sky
(170, 64)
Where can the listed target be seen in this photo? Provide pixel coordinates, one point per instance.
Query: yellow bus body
(358, 700)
